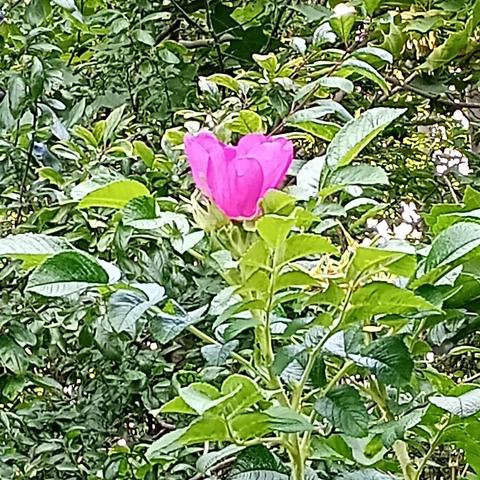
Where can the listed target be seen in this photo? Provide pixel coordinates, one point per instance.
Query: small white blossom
(383, 229)
(343, 9)
(464, 168)
(122, 442)
(416, 234)
(460, 117)
(409, 212)
(402, 231)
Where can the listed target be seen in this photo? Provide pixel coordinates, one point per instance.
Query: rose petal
(275, 155)
(200, 149)
(236, 187)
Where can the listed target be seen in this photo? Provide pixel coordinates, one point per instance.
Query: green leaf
(115, 194)
(359, 175)
(67, 4)
(246, 394)
(69, 272)
(286, 420)
(258, 463)
(16, 93)
(217, 355)
(452, 245)
(308, 179)
(144, 152)
(344, 409)
(373, 259)
(7, 121)
(304, 245)
(12, 356)
(246, 122)
(323, 130)
(208, 429)
(268, 62)
(166, 327)
(389, 359)
(37, 11)
(463, 406)
(358, 133)
(165, 444)
(339, 83)
(274, 229)
(366, 475)
(32, 248)
(364, 69)
(225, 81)
(381, 298)
(126, 307)
(210, 459)
(294, 279)
(374, 52)
(144, 37)
(112, 124)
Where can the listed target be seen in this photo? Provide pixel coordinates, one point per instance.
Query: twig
(215, 37)
(206, 42)
(188, 18)
(167, 31)
(27, 166)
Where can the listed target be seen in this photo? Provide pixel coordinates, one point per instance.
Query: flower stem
(297, 459)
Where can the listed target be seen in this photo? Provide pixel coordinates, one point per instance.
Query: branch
(206, 42)
(215, 37)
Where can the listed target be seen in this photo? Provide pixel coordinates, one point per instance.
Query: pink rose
(237, 178)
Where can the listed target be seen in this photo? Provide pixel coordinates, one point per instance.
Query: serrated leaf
(115, 194)
(274, 229)
(389, 359)
(320, 129)
(344, 409)
(208, 429)
(464, 405)
(126, 307)
(382, 298)
(453, 244)
(306, 244)
(326, 82)
(246, 122)
(364, 69)
(66, 273)
(359, 175)
(32, 248)
(165, 327)
(257, 463)
(217, 355)
(358, 133)
(210, 459)
(368, 474)
(284, 419)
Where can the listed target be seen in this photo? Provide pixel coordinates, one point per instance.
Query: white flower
(343, 9)
(122, 442)
(460, 117)
(416, 234)
(409, 213)
(441, 169)
(372, 223)
(402, 231)
(464, 168)
(383, 229)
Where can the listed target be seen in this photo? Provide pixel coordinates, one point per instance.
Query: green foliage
(145, 336)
